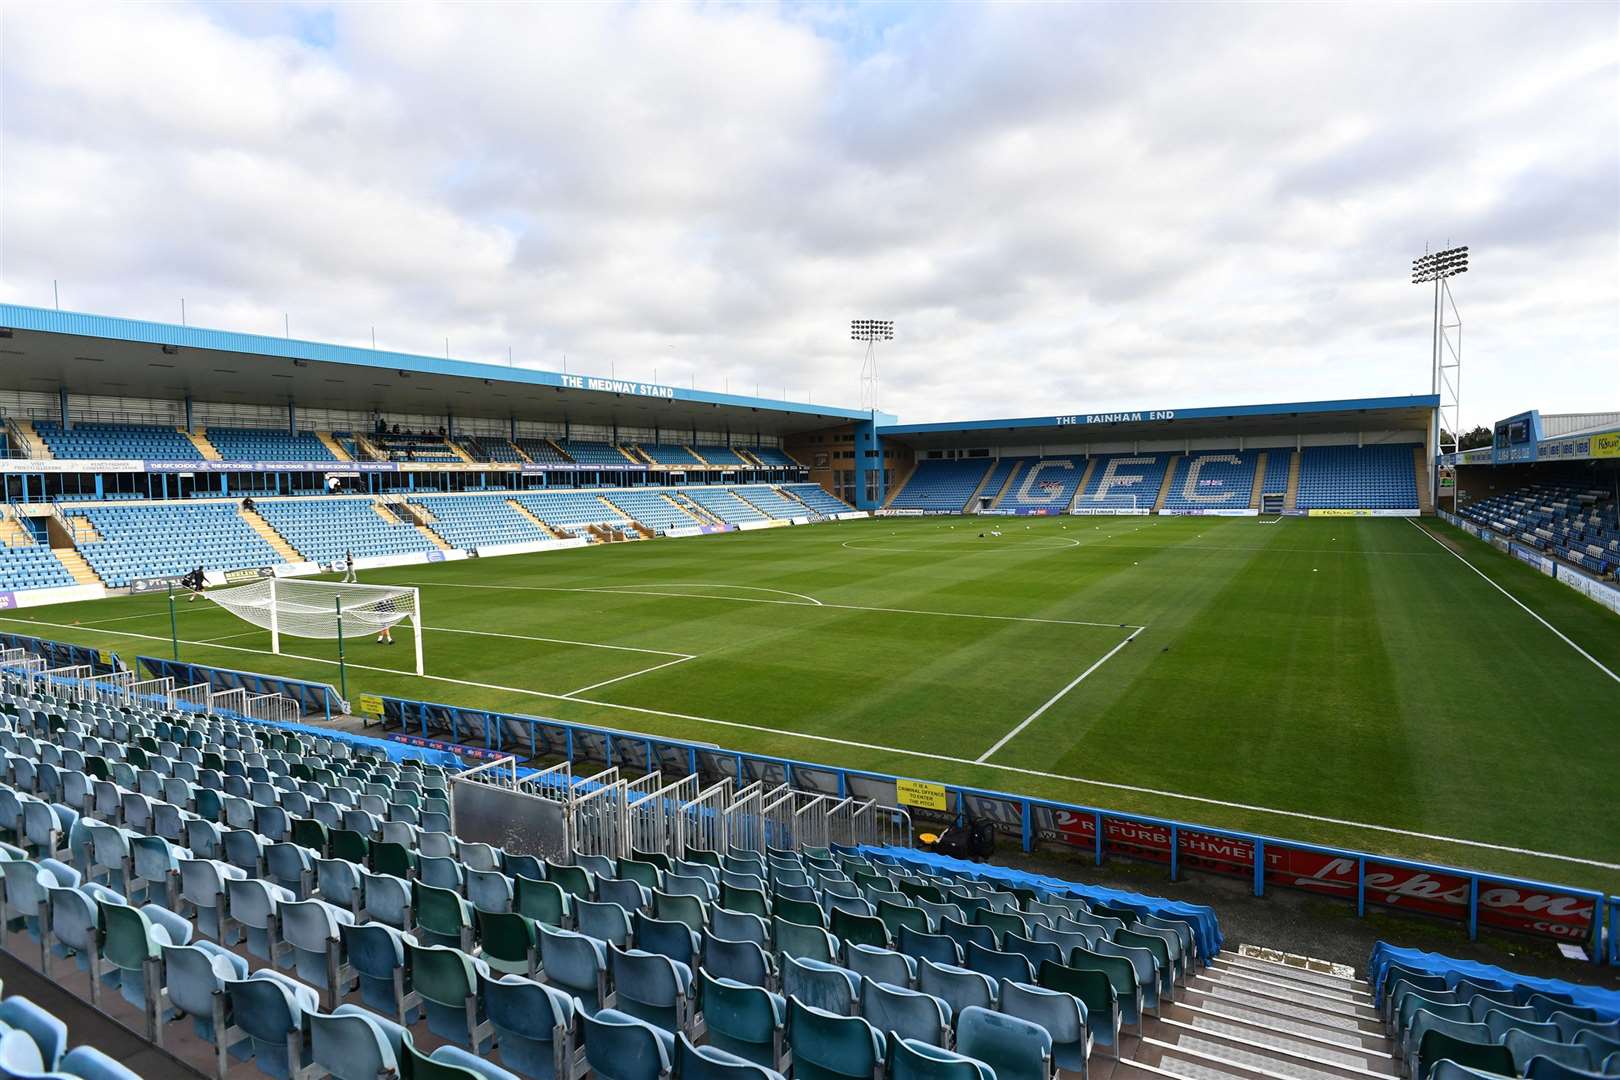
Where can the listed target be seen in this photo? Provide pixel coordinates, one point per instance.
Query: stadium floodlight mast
(1445, 358)
(871, 331)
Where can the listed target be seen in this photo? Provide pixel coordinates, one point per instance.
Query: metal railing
(153, 693)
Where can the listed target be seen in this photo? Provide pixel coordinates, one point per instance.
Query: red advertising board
(1546, 913)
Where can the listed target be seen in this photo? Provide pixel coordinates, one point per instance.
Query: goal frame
(415, 618)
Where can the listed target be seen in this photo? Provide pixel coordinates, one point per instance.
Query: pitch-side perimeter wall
(1599, 591)
(1467, 897)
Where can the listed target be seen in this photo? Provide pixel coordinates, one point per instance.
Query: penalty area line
(921, 755)
(1055, 698)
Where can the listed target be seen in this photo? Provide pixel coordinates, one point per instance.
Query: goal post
(289, 607)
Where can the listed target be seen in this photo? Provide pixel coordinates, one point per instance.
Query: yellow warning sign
(916, 793)
(370, 705)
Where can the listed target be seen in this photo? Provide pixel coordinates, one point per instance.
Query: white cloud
(1063, 206)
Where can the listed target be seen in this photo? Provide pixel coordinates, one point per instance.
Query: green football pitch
(1344, 681)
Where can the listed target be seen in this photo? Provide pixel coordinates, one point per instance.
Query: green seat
(644, 874)
(350, 846)
(743, 1020)
(1438, 1046)
(704, 856)
(509, 942)
(804, 942)
(679, 908)
(752, 901)
(894, 916)
(446, 981)
(1121, 975)
(1095, 991)
(827, 1046)
(573, 880)
(918, 890)
(391, 858)
(309, 833)
(859, 929)
(1001, 923)
(443, 917)
(542, 901)
(657, 858)
(803, 912)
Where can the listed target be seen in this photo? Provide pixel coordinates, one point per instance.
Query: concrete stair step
(1279, 991)
(1288, 970)
(1225, 998)
(1198, 1057)
(1275, 975)
(1250, 1039)
(1372, 1046)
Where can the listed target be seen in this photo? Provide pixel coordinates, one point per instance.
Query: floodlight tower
(870, 331)
(869, 472)
(1445, 357)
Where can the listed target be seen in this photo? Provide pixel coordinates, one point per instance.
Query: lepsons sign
(1506, 906)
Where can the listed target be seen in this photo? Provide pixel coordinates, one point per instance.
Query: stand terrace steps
(1256, 1014)
(333, 447)
(199, 439)
(1291, 499)
(277, 542)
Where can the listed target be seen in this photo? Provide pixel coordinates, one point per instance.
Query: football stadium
(1164, 672)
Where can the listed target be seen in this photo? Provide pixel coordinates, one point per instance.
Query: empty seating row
(721, 503)
(116, 441)
(32, 566)
(941, 485)
(1124, 482)
(255, 444)
(326, 530)
(816, 498)
(1214, 480)
(167, 540)
(470, 522)
(1380, 477)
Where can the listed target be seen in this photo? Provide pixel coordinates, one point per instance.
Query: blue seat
(576, 964)
(88, 1063)
(908, 1014)
(936, 947)
(822, 986)
(1062, 1015)
(353, 1043)
(956, 986)
(712, 1063)
(742, 961)
(195, 976)
(47, 1033)
(651, 987)
(910, 1059)
(1014, 1048)
(376, 951)
(268, 1009)
(884, 965)
(535, 1026)
(620, 1047)
(743, 1020)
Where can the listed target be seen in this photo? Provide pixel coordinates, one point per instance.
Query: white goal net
(322, 609)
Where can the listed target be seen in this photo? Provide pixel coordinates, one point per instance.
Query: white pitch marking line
(705, 585)
(919, 754)
(620, 591)
(1055, 698)
(558, 641)
(1562, 637)
(632, 675)
(231, 637)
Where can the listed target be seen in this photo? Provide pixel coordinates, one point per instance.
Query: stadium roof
(1354, 414)
(46, 350)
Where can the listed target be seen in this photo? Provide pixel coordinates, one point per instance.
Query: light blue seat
(338, 881)
(911, 1059)
(48, 1034)
(576, 964)
(998, 965)
(268, 1008)
(195, 976)
(822, 986)
(652, 987)
(387, 899)
(88, 1063)
(629, 895)
(352, 1043)
(909, 1014)
(1524, 1047)
(448, 1058)
(1062, 1015)
(1014, 1048)
(290, 866)
(712, 1063)
(489, 890)
(312, 928)
(251, 903)
(829, 1046)
(19, 1056)
(884, 965)
(956, 986)
(535, 1026)
(618, 1046)
(440, 872)
(1146, 966)
(742, 961)
(75, 920)
(743, 1020)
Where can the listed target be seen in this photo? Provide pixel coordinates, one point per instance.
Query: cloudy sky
(1064, 207)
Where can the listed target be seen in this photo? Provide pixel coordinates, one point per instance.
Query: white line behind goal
(323, 609)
